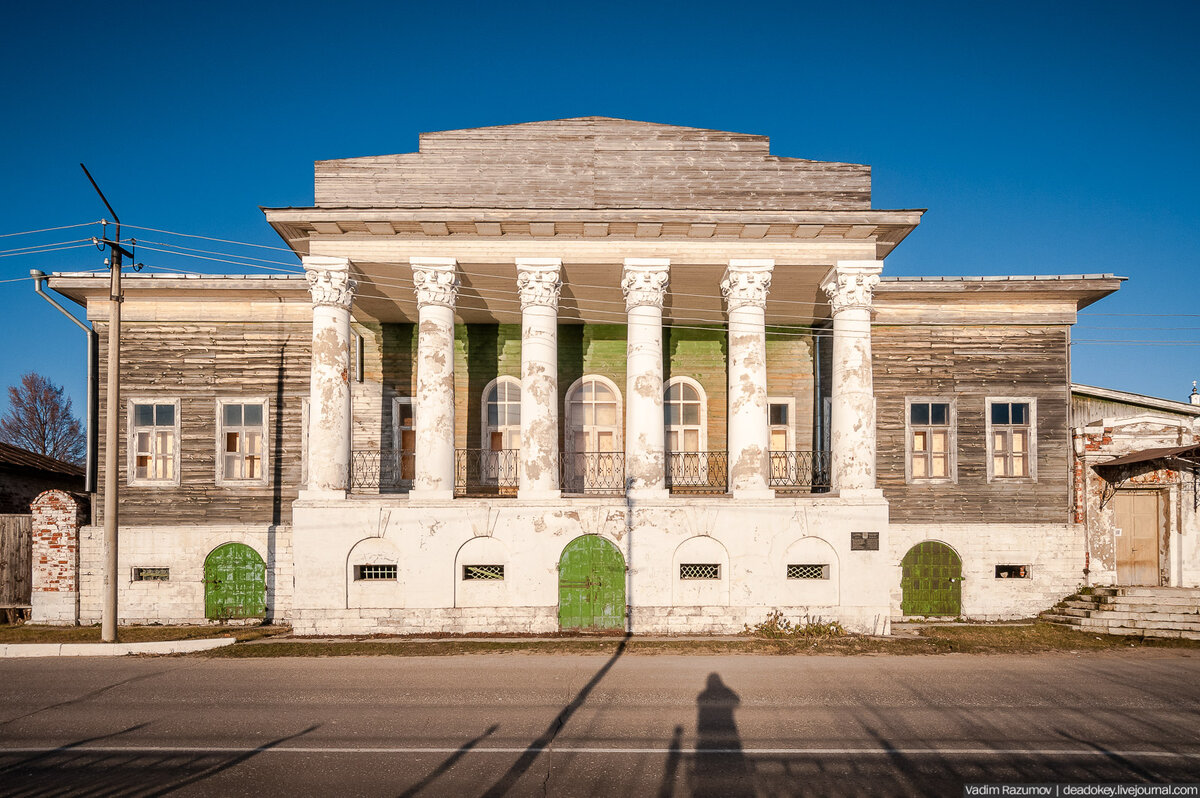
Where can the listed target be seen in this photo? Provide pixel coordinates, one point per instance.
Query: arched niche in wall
(700, 573)
(481, 574)
(373, 575)
(809, 574)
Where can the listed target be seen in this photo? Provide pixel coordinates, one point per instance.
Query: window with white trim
(594, 416)
(153, 442)
(683, 414)
(931, 443)
(404, 438)
(1011, 427)
(242, 441)
(780, 414)
(502, 414)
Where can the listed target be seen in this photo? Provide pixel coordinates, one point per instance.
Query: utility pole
(112, 441)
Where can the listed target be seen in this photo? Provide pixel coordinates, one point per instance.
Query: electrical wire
(49, 229)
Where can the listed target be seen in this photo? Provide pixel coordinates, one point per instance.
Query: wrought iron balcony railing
(596, 473)
(800, 471)
(384, 472)
(483, 472)
(696, 472)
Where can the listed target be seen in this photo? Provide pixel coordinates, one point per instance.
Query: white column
(436, 286)
(745, 288)
(644, 283)
(850, 286)
(329, 376)
(539, 283)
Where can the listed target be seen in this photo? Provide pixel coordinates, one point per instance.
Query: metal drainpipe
(39, 277)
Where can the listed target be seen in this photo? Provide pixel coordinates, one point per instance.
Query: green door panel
(931, 583)
(591, 585)
(235, 583)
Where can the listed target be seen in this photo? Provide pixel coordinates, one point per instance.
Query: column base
(648, 494)
(753, 493)
(320, 494)
(538, 494)
(430, 496)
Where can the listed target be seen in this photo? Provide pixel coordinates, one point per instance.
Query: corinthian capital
(329, 281)
(851, 284)
(746, 283)
(435, 281)
(538, 282)
(644, 282)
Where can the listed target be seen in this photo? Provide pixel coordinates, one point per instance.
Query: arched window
(683, 414)
(593, 416)
(502, 414)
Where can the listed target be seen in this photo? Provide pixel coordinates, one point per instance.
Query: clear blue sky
(1043, 137)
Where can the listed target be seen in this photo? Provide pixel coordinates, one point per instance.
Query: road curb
(19, 650)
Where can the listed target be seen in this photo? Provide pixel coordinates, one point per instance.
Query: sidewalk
(18, 650)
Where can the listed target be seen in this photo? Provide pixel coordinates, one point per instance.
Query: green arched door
(235, 583)
(591, 585)
(931, 583)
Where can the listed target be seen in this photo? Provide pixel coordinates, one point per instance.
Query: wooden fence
(16, 574)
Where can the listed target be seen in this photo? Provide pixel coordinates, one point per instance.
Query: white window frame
(131, 442)
(264, 456)
(951, 440)
(618, 427)
(1032, 425)
(397, 440)
(488, 429)
(790, 401)
(703, 437)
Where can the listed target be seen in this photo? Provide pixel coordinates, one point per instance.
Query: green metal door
(591, 585)
(235, 583)
(931, 583)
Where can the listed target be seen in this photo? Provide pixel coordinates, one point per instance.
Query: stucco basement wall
(1053, 553)
(183, 549)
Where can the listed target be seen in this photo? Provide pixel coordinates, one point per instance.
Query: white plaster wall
(183, 549)
(755, 536)
(1053, 552)
(373, 593)
(692, 592)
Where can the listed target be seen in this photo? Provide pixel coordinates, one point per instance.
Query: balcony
(483, 472)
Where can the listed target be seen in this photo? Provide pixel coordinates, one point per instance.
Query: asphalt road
(594, 726)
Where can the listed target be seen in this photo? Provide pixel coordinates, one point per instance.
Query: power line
(48, 229)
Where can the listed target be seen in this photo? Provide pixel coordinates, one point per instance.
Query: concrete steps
(1131, 611)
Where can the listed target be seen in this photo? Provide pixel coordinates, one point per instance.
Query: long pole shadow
(667, 787)
(237, 760)
(527, 758)
(448, 762)
(32, 760)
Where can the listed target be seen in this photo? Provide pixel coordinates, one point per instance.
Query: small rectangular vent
(493, 573)
(1012, 572)
(143, 574)
(375, 573)
(700, 571)
(807, 571)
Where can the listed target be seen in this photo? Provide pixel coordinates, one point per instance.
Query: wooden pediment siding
(197, 362)
(969, 365)
(592, 163)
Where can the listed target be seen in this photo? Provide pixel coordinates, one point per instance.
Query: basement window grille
(143, 574)
(808, 571)
(700, 571)
(375, 573)
(493, 573)
(1012, 572)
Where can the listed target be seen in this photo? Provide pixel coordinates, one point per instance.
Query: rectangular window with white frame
(930, 424)
(242, 441)
(153, 441)
(404, 437)
(1012, 438)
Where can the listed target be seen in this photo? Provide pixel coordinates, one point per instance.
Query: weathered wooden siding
(592, 163)
(1088, 409)
(484, 352)
(971, 364)
(16, 547)
(197, 363)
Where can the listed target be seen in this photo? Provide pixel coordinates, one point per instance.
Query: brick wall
(57, 517)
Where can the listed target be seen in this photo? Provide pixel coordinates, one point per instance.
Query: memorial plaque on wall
(864, 541)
